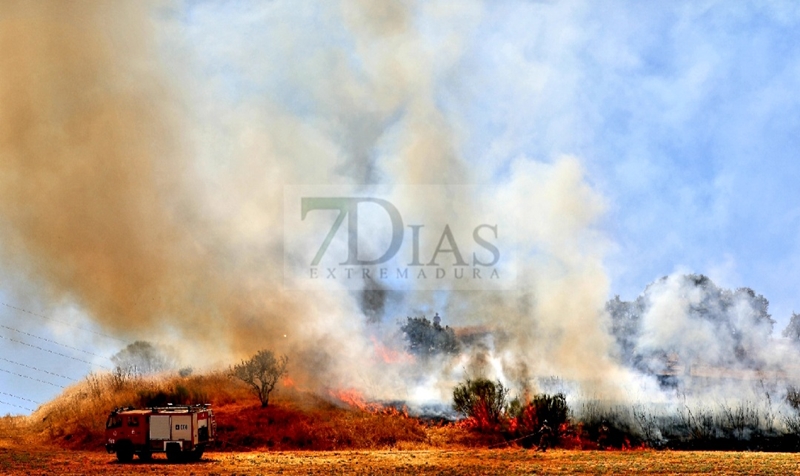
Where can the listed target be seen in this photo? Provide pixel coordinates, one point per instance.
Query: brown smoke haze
(128, 191)
(89, 154)
(95, 173)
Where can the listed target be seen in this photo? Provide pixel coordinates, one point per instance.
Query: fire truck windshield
(114, 421)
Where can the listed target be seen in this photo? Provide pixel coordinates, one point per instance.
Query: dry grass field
(42, 461)
(303, 433)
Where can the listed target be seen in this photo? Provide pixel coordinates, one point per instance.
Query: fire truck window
(133, 421)
(114, 422)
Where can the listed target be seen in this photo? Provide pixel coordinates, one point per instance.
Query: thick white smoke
(153, 194)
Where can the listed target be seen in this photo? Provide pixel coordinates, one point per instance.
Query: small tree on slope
(261, 372)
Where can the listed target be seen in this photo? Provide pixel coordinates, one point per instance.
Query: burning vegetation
(491, 414)
(544, 420)
(702, 364)
(147, 239)
(259, 405)
(293, 420)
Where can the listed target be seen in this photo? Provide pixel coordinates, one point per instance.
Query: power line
(31, 378)
(35, 368)
(21, 398)
(53, 352)
(52, 341)
(62, 322)
(18, 406)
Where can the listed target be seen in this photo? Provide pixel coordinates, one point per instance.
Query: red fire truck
(182, 432)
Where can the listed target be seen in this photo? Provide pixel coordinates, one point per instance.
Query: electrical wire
(36, 368)
(51, 341)
(18, 406)
(61, 322)
(21, 398)
(53, 352)
(31, 378)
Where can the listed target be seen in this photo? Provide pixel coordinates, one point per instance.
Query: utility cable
(36, 368)
(52, 352)
(62, 322)
(31, 378)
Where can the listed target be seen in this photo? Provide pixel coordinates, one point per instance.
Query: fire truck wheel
(196, 455)
(124, 452)
(173, 452)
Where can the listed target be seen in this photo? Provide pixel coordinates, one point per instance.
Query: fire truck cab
(182, 432)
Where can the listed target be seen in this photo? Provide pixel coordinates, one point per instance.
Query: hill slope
(295, 419)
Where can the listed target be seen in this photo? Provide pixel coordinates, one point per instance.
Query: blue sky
(685, 116)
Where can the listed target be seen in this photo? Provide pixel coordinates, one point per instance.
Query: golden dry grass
(295, 419)
(418, 462)
(76, 418)
(65, 437)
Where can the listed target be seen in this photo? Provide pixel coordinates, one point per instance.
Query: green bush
(426, 338)
(482, 400)
(542, 407)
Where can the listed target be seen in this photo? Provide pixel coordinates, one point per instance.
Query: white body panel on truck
(160, 427)
(181, 428)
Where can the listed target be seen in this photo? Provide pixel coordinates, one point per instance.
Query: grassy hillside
(295, 419)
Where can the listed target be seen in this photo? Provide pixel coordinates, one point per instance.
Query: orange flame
(355, 399)
(390, 356)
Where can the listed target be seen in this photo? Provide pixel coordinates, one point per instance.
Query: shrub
(482, 400)
(612, 425)
(426, 338)
(542, 407)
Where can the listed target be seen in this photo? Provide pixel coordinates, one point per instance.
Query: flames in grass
(345, 419)
(305, 421)
(355, 400)
(389, 355)
(295, 419)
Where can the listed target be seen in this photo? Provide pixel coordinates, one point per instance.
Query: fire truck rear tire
(174, 452)
(124, 451)
(196, 455)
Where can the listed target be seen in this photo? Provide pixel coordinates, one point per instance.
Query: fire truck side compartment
(159, 427)
(182, 427)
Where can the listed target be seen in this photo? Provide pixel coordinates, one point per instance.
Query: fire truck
(182, 432)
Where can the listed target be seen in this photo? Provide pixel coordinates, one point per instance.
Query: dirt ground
(418, 462)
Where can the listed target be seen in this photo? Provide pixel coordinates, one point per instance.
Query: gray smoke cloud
(152, 200)
(699, 335)
(144, 157)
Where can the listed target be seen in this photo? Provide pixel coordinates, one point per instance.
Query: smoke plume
(143, 157)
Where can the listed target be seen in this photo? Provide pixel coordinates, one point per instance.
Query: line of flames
(355, 399)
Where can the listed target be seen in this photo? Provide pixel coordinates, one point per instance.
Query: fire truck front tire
(124, 451)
